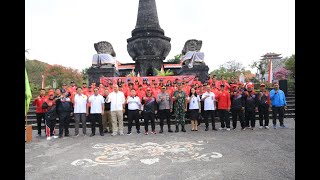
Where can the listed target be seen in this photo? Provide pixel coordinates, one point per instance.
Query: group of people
(107, 104)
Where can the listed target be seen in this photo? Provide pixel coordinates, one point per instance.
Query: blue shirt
(278, 99)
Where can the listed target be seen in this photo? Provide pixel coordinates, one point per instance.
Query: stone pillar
(94, 74)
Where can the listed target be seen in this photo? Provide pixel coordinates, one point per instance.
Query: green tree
(62, 75)
(84, 73)
(290, 64)
(229, 69)
(233, 66)
(35, 71)
(176, 59)
(261, 65)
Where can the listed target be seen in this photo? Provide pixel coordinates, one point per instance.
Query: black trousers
(133, 115)
(224, 118)
(250, 116)
(149, 116)
(165, 114)
(96, 117)
(64, 119)
(210, 113)
(275, 112)
(235, 114)
(263, 114)
(51, 123)
(40, 116)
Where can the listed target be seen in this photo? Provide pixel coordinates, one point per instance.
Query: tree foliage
(176, 59)
(168, 72)
(229, 69)
(261, 65)
(35, 71)
(290, 65)
(62, 75)
(233, 66)
(282, 72)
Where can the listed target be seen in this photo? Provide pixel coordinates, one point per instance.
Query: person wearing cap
(64, 86)
(251, 106)
(64, 111)
(237, 106)
(224, 103)
(169, 90)
(38, 101)
(279, 105)
(209, 99)
(165, 108)
(264, 105)
(72, 88)
(106, 117)
(117, 108)
(194, 108)
(180, 107)
(136, 84)
(96, 111)
(134, 110)
(155, 90)
(80, 111)
(149, 111)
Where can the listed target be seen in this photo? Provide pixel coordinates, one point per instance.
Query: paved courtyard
(244, 155)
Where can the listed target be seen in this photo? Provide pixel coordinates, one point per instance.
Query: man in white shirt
(80, 110)
(117, 109)
(134, 110)
(96, 111)
(209, 107)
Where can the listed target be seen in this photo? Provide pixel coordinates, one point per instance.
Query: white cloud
(63, 32)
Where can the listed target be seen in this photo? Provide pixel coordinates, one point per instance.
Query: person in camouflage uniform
(180, 107)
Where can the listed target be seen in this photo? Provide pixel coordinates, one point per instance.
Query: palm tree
(168, 72)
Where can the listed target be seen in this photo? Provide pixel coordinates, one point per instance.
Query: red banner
(188, 79)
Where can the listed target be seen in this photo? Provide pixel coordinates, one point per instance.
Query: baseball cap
(148, 89)
(250, 86)
(262, 85)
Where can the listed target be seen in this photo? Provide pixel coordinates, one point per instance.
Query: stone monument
(103, 63)
(148, 46)
(193, 60)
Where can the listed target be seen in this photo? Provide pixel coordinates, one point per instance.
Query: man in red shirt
(84, 88)
(101, 89)
(140, 92)
(224, 103)
(155, 90)
(38, 101)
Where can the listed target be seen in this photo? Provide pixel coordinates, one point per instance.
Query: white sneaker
(260, 127)
(113, 134)
(228, 129)
(49, 138)
(55, 137)
(121, 134)
(221, 128)
(267, 127)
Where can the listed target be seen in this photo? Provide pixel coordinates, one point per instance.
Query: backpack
(51, 114)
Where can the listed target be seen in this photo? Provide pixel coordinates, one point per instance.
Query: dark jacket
(251, 101)
(64, 106)
(150, 104)
(237, 101)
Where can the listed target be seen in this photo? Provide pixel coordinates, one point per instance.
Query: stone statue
(105, 55)
(191, 55)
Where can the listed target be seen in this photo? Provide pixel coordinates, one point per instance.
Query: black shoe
(105, 131)
(234, 128)
(206, 129)
(110, 131)
(183, 130)
(177, 129)
(101, 134)
(214, 129)
(60, 136)
(92, 135)
(138, 131)
(169, 129)
(66, 135)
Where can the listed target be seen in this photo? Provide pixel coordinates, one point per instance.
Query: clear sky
(64, 31)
